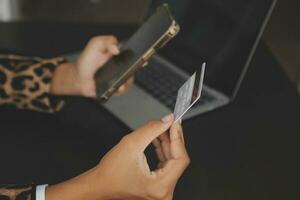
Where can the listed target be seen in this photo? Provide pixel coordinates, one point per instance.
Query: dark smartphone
(135, 52)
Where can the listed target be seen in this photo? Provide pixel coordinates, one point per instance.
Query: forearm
(78, 188)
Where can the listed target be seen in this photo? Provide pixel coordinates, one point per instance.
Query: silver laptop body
(139, 105)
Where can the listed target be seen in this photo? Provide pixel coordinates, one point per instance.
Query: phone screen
(132, 51)
(114, 69)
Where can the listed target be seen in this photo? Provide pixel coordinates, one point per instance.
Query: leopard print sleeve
(9, 192)
(25, 82)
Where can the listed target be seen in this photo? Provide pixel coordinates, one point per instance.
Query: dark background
(246, 150)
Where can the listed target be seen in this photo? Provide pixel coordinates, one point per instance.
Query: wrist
(78, 188)
(65, 80)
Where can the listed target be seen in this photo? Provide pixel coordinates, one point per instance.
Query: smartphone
(135, 52)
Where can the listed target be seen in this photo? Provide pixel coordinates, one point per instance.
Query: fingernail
(122, 88)
(167, 118)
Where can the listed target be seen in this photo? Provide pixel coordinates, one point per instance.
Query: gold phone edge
(164, 39)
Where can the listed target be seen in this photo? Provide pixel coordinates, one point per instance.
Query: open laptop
(224, 34)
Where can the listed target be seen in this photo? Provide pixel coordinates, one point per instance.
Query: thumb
(144, 135)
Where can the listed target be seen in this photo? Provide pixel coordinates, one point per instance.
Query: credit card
(189, 93)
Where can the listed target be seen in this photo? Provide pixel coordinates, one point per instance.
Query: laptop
(224, 34)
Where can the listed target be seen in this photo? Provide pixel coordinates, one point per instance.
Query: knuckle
(102, 39)
(187, 160)
(127, 141)
(96, 39)
(112, 38)
(159, 193)
(151, 123)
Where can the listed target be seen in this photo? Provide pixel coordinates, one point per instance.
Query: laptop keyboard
(163, 84)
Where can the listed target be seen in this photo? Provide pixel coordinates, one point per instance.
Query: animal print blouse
(25, 84)
(21, 192)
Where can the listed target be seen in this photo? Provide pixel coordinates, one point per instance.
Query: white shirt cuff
(40, 192)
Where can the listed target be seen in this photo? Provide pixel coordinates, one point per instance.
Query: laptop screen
(219, 32)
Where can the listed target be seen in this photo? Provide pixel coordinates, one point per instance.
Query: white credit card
(189, 93)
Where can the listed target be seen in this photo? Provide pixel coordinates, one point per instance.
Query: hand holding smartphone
(134, 53)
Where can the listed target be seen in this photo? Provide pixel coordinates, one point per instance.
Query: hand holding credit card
(189, 93)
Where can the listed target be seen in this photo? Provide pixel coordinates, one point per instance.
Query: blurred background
(248, 149)
(282, 34)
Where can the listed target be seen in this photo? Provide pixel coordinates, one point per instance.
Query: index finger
(104, 43)
(147, 133)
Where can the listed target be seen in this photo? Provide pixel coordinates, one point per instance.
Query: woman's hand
(123, 173)
(78, 78)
